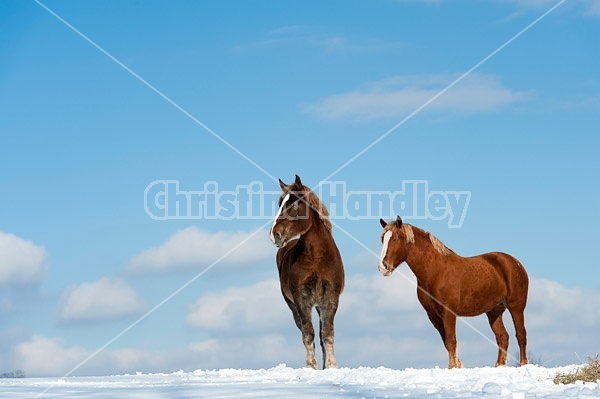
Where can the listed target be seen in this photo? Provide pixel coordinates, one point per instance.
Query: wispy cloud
(583, 103)
(301, 35)
(105, 299)
(21, 261)
(400, 95)
(192, 247)
(590, 8)
(587, 8)
(593, 8)
(421, 1)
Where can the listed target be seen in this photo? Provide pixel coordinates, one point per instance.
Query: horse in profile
(311, 272)
(449, 285)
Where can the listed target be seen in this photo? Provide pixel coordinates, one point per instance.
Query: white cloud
(576, 306)
(192, 247)
(21, 261)
(259, 307)
(40, 356)
(250, 351)
(379, 323)
(398, 96)
(43, 356)
(47, 356)
(105, 299)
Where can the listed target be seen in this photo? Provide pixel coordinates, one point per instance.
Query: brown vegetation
(589, 372)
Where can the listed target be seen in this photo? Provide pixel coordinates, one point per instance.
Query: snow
(281, 382)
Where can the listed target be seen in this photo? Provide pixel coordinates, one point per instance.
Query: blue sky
(298, 88)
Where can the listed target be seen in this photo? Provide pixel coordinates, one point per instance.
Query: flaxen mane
(408, 233)
(439, 246)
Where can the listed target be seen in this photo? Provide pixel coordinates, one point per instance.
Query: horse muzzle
(278, 240)
(384, 269)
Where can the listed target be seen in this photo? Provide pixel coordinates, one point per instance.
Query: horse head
(396, 238)
(293, 217)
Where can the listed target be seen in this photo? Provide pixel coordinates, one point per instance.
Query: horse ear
(383, 223)
(283, 186)
(398, 222)
(298, 182)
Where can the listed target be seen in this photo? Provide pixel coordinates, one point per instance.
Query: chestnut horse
(311, 272)
(449, 285)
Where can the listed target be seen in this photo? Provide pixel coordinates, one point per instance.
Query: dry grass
(589, 372)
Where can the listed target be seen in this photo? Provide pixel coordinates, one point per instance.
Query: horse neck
(423, 259)
(317, 236)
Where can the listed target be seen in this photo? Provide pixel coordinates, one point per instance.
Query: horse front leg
(449, 320)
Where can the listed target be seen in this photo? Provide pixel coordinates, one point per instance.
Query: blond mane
(408, 233)
(438, 245)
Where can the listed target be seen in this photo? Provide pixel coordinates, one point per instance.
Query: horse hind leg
(519, 322)
(308, 332)
(495, 319)
(326, 315)
(295, 313)
(321, 336)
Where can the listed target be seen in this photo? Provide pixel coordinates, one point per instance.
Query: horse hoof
(311, 366)
(331, 365)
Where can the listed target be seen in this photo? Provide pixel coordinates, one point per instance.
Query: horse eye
(295, 206)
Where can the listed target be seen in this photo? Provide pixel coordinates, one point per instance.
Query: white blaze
(285, 199)
(386, 241)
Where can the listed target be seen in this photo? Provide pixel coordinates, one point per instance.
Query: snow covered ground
(281, 382)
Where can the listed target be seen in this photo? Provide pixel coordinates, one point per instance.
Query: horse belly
(481, 295)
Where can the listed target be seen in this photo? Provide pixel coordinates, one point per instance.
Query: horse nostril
(278, 236)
